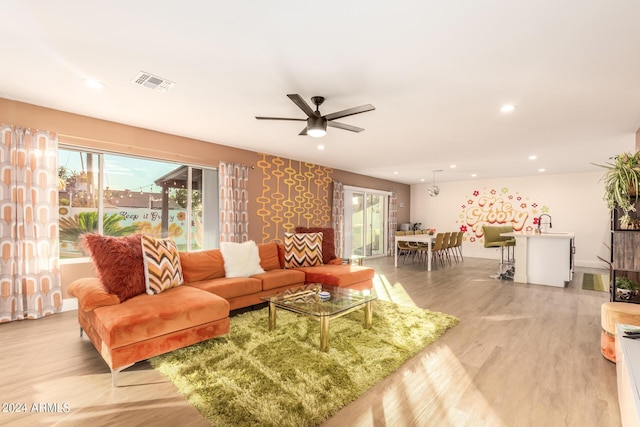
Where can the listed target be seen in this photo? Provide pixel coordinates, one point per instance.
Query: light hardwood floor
(522, 355)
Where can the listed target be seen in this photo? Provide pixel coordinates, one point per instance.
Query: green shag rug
(255, 377)
(595, 282)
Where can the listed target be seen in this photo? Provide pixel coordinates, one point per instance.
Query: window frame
(100, 153)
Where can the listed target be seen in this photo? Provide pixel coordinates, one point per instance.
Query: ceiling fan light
(316, 133)
(316, 127)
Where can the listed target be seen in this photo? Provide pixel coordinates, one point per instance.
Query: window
(366, 217)
(117, 195)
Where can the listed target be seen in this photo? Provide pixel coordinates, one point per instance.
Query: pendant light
(434, 190)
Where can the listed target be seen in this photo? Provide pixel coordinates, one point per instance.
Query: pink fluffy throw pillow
(118, 263)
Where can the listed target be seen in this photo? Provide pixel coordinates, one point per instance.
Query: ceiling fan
(317, 123)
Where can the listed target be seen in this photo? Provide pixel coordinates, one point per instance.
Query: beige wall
(87, 132)
(403, 191)
(75, 270)
(573, 200)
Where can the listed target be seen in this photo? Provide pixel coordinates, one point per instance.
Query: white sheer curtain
(234, 202)
(392, 224)
(30, 285)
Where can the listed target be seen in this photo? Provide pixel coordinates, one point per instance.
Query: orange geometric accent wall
(293, 194)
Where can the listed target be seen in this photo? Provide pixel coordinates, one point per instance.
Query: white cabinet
(543, 259)
(549, 261)
(628, 378)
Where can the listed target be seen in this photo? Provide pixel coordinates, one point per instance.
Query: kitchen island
(543, 258)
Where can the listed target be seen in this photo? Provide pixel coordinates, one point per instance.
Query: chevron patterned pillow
(162, 269)
(302, 249)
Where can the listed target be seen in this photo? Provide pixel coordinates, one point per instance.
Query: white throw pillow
(241, 259)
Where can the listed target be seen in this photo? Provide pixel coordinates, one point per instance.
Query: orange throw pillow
(328, 241)
(118, 263)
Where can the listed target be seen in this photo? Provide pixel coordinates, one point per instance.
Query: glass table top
(320, 300)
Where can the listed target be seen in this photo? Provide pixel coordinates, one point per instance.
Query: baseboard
(591, 264)
(69, 304)
(576, 262)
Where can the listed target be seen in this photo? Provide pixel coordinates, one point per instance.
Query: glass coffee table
(321, 302)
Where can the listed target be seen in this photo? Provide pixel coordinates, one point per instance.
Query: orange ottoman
(610, 314)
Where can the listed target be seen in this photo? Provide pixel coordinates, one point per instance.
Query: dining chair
(422, 244)
(413, 245)
(451, 245)
(421, 249)
(404, 248)
(458, 245)
(445, 246)
(436, 250)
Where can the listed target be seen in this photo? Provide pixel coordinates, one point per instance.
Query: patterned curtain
(337, 220)
(30, 285)
(393, 223)
(234, 202)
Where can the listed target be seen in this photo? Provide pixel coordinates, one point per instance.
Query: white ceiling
(436, 71)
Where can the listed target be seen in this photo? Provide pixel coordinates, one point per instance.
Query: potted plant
(626, 288)
(622, 184)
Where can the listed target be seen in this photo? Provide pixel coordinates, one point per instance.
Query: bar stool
(493, 239)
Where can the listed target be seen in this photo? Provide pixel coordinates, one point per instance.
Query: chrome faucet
(540, 222)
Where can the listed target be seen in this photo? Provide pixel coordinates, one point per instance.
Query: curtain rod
(173, 155)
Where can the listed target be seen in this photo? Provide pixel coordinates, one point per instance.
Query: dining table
(416, 238)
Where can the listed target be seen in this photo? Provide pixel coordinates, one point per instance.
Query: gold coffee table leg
(368, 315)
(324, 333)
(272, 316)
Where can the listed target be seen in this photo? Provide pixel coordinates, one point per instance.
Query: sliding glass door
(365, 222)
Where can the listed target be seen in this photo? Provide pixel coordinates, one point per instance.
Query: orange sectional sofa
(148, 325)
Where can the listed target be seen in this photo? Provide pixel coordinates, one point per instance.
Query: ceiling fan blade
(344, 126)
(350, 112)
(303, 132)
(279, 118)
(297, 99)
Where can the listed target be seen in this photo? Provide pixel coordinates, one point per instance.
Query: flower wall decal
(490, 206)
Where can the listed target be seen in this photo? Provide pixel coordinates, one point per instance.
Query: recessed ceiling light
(473, 175)
(396, 172)
(542, 170)
(507, 108)
(421, 179)
(93, 84)
(452, 166)
(320, 147)
(533, 157)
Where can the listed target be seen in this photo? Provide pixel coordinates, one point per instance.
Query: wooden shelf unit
(625, 246)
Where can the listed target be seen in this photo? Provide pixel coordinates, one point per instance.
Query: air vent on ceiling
(152, 82)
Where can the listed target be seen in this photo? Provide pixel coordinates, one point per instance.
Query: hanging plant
(622, 184)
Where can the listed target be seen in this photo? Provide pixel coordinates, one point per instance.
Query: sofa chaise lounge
(126, 332)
